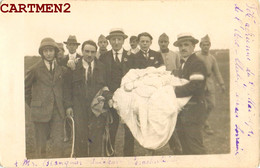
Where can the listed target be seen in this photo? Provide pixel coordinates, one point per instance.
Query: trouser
(113, 127)
(96, 132)
(189, 129)
(210, 99)
(52, 129)
(129, 142)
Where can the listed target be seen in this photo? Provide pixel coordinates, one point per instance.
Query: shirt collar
(72, 56)
(119, 51)
(85, 64)
(47, 63)
(146, 51)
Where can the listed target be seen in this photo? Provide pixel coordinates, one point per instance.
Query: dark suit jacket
(126, 63)
(42, 90)
(155, 59)
(64, 61)
(194, 110)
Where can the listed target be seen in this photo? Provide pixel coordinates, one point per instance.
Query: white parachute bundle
(147, 103)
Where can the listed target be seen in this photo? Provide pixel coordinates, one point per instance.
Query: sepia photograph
(132, 83)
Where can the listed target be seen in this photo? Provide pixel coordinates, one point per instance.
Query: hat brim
(65, 42)
(193, 40)
(48, 44)
(116, 34)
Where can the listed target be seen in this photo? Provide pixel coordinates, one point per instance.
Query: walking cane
(73, 134)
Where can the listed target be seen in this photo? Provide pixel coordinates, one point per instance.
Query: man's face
(60, 54)
(205, 46)
(145, 43)
(163, 43)
(116, 42)
(89, 52)
(103, 44)
(48, 53)
(133, 43)
(186, 48)
(72, 47)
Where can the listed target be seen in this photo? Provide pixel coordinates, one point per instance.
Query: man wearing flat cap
(72, 46)
(191, 118)
(102, 44)
(170, 58)
(212, 70)
(147, 57)
(117, 62)
(43, 94)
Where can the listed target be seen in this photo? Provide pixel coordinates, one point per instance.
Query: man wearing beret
(191, 118)
(72, 46)
(118, 62)
(212, 70)
(43, 94)
(147, 57)
(170, 58)
(102, 44)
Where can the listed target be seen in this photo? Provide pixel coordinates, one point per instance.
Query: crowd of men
(67, 85)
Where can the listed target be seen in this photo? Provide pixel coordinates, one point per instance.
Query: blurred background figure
(102, 44)
(170, 58)
(60, 54)
(212, 70)
(133, 41)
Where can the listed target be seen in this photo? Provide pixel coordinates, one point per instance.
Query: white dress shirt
(85, 65)
(47, 63)
(72, 56)
(147, 56)
(119, 54)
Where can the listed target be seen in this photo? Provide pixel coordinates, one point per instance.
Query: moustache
(183, 51)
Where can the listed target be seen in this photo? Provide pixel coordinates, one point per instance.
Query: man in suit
(170, 58)
(72, 46)
(191, 118)
(102, 44)
(118, 62)
(147, 57)
(212, 71)
(82, 84)
(43, 94)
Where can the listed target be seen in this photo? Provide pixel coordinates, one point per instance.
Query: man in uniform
(170, 58)
(212, 70)
(72, 46)
(147, 57)
(117, 62)
(102, 44)
(191, 118)
(134, 45)
(43, 94)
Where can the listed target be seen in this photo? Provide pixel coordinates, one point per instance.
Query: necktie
(51, 69)
(89, 74)
(117, 59)
(145, 55)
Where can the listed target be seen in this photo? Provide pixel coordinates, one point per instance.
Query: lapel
(44, 70)
(187, 65)
(110, 59)
(95, 73)
(79, 72)
(57, 72)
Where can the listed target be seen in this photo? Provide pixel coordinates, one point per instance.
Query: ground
(219, 143)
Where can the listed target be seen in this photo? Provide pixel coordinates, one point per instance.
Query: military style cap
(101, 37)
(163, 37)
(205, 39)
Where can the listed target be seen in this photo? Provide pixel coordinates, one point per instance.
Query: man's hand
(69, 112)
(110, 103)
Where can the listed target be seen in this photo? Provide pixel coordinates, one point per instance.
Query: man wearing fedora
(102, 44)
(118, 62)
(191, 118)
(212, 70)
(72, 46)
(43, 94)
(147, 57)
(170, 58)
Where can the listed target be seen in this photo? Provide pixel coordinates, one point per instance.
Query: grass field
(219, 143)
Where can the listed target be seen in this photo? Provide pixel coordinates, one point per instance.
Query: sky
(89, 19)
